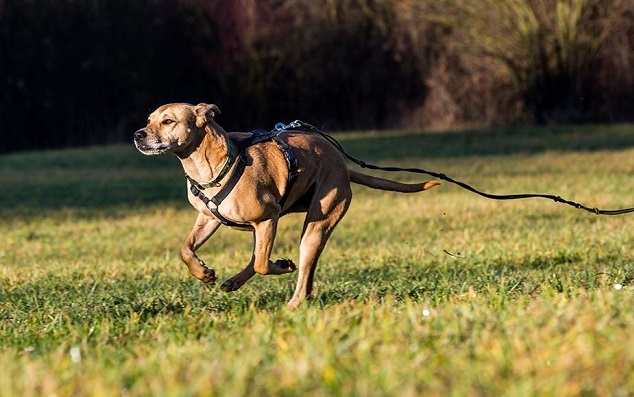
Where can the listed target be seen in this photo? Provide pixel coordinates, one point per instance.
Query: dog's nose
(140, 134)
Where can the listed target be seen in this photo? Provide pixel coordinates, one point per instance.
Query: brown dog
(255, 188)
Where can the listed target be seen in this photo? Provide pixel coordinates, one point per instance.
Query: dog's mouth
(151, 149)
(149, 143)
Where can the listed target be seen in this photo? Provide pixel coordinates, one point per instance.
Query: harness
(242, 143)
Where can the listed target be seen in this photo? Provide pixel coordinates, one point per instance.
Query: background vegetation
(86, 72)
(439, 293)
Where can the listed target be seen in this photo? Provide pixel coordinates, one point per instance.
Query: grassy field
(441, 293)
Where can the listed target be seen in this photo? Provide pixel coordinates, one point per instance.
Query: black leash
(308, 127)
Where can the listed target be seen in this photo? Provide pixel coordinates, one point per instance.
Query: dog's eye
(168, 121)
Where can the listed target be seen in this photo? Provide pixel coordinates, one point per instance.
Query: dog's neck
(204, 158)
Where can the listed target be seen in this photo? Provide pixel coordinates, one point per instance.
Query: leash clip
(283, 127)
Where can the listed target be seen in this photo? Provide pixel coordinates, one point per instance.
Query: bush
(77, 73)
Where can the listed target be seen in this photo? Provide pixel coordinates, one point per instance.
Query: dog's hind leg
(204, 227)
(325, 212)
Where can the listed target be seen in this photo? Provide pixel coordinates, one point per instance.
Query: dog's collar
(213, 203)
(229, 161)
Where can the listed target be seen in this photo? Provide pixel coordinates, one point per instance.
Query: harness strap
(233, 180)
(213, 203)
(258, 136)
(292, 165)
(231, 158)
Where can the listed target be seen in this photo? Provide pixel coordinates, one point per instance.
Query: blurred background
(86, 72)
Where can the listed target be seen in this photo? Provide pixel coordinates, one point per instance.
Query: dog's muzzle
(140, 141)
(140, 135)
(149, 144)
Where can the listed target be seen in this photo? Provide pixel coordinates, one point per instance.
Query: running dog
(248, 181)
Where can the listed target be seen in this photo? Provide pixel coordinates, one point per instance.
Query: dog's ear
(203, 111)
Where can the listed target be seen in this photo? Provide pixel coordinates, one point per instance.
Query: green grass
(439, 293)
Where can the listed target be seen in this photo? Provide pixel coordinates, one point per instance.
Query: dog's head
(174, 128)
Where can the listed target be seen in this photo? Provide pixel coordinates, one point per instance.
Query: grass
(441, 293)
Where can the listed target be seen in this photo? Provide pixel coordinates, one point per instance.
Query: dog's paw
(285, 265)
(209, 276)
(230, 285)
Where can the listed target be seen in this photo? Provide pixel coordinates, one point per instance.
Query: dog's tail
(386, 184)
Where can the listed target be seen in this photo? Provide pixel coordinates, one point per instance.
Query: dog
(252, 185)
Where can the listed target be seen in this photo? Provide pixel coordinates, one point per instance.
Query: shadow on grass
(119, 176)
(83, 298)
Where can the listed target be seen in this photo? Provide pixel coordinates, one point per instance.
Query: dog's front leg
(237, 281)
(204, 227)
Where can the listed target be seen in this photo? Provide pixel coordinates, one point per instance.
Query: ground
(437, 293)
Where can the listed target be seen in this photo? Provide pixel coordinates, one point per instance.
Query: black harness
(242, 142)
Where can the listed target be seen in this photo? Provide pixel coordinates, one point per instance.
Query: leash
(297, 124)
